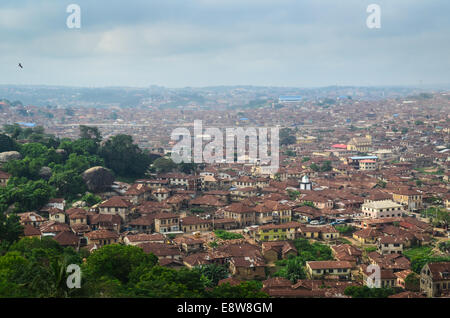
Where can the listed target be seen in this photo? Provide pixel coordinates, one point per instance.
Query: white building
(305, 184)
(382, 209)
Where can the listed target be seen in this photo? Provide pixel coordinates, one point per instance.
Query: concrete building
(382, 209)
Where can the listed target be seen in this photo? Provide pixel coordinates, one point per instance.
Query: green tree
(10, 229)
(124, 158)
(162, 282)
(68, 184)
(163, 165)
(287, 137)
(87, 132)
(213, 273)
(117, 262)
(367, 292)
(6, 143)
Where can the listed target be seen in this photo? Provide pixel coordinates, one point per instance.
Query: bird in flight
(20, 65)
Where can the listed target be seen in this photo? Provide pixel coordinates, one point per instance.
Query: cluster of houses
(351, 167)
(175, 216)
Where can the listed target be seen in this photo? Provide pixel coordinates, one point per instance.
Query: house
(144, 238)
(244, 182)
(31, 231)
(67, 238)
(206, 201)
(191, 224)
(138, 193)
(308, 289)
(110, 222)
(58, 203)
(332, 269)
(116, 205)
(328, 232)
(319, 201)
(243, 214)
(246, 261)
(101, 237)
(55, 214)
(248, 267)
(77, 216)
(161, 194)
(31, 218)
(407, 284)
(367, 165)
(277, 232)
(205, 258)
(273, 251)
(390, 245)
(239, 194)
(307, 213)
(162, 251)
(409, 198)
(225, 224)
(308, 231)
(276, 283)
(4, 178)
(360, 144)
(189, 244)
(52, 228)
(396, 262)
(347, 252)
(143, 224)
(281, 213)
(166, 222)
(435, 279)
(382, 209)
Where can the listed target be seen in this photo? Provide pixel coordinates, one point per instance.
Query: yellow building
(335, 269)
(411, 199)
(277, 232)
(360, 144)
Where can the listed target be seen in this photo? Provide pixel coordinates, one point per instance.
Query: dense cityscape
(361, 182)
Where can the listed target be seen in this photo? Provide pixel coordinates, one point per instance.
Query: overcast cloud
(179, 43)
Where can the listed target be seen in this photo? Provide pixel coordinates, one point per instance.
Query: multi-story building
(336, 269)
(191, 224)
(360, 144)
(241, 213)
(367, 165)
(116, 205)
(277, 232)
(411, 199)
(390, 245)
(167, 222)
(435, 279)
(382, 209)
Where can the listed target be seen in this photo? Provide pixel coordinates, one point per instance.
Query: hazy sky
(179, 43)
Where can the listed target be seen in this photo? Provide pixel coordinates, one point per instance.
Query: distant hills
(225, 96)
